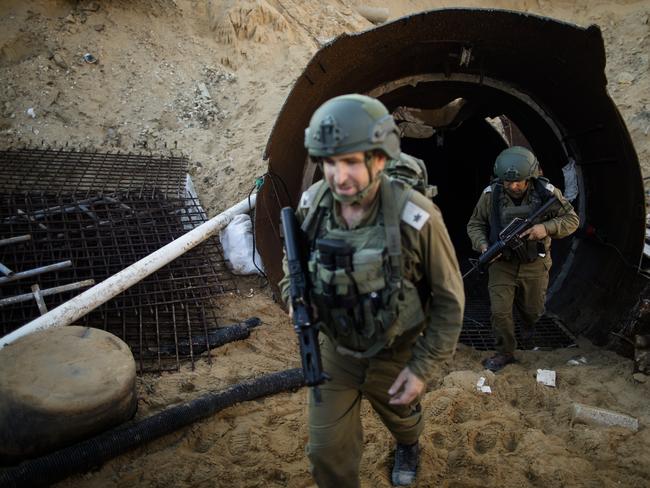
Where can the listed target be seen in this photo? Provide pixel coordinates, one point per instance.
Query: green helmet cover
(515, 164)
(351, 123)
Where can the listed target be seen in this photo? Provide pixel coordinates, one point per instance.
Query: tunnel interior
(476, 81)
(462, 146)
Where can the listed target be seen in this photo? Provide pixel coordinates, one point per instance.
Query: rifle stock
(307, 332)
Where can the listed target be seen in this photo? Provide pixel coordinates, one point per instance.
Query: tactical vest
(363, 300)
(501, 216)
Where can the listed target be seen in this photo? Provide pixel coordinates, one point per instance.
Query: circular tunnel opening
(458, 128)
(463, 85)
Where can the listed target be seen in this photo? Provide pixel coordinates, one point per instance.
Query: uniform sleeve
(565, 222)
(445, 315)
(284, 282)
(478, 227)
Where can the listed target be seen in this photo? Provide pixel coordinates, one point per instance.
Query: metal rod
(99, 294)
(25, 297)
(5, 271)
(14, 240)
(35, 271)
(36, 290)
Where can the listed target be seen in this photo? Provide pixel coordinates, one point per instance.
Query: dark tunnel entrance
(459, 133)
(463, 85)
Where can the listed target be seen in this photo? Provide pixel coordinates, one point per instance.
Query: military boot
(498, 361)
(406, 464)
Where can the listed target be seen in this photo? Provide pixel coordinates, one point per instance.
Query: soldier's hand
(536, 233)
(406, 389)
(483, 248)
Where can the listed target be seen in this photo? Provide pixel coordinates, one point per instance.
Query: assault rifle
(510, 238)
(312, 366)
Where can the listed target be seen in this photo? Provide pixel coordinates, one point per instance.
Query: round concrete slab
(61, 385)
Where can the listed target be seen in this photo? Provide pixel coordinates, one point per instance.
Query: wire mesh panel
(98, 233)
(89, 174)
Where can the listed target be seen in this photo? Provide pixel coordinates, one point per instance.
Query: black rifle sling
(495, 221)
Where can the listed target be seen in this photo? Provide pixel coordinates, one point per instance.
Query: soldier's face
(347, 174)
(516, 188)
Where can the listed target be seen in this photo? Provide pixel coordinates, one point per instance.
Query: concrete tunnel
(463, 84)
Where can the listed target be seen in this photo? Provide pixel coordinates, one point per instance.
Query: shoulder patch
(414, 215)
(307, 198)
(549, 186)
(488, 189)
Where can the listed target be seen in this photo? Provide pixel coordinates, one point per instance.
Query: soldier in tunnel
(518, 278)
(385, 285)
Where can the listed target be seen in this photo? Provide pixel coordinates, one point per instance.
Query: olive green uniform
(428, 258)
(512, 281)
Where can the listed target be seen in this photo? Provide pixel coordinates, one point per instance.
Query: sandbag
(61, 385)
(237, 243)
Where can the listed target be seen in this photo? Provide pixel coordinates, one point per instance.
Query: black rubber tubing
(91, 453)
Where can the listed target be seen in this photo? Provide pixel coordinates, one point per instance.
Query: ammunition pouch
(357, 306)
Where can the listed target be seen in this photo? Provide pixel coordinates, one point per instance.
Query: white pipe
(99, 294)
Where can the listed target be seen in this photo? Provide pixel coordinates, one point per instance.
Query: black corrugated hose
(91, 453)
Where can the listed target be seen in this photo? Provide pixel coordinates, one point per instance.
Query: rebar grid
(82, 174)
(103, 233)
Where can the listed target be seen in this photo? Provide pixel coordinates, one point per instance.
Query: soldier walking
(519, 278)
(386, 288)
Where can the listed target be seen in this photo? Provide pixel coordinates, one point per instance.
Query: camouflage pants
(522, 285)
(335, 434)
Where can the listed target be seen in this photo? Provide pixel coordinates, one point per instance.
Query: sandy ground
(519, 435)
(211, 76)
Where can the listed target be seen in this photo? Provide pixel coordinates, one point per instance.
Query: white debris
(204, 91)
(600, 416)
(577, 361)
(31, 113)
(482, 387)
(570, 180)
(546, 377)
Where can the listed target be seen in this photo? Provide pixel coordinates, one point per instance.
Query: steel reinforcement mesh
(103, 212)
(90, 174)
(549, 332)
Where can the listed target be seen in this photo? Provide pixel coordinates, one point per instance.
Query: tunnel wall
(549, 76)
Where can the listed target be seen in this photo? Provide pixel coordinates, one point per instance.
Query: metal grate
(549, 331)
(101, 234)
(89, 174)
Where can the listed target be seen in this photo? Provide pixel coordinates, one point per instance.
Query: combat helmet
(516, 163)
(350, 123)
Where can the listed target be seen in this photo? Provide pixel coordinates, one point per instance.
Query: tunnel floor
(550, 333)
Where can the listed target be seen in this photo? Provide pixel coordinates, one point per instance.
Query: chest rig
(364, 301)
(502, 214)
